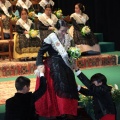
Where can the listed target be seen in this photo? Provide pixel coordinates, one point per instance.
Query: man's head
(98, 79)
(22, 84)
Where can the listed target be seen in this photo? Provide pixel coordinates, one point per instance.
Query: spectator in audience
(26, 4)
(103, 105)
(26, 46)
(43, 3)
(83, 37)
(21, 105)
(47, 21)
(5, 14)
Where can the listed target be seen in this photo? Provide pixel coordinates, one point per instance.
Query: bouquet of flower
(14, 18)
(85, 30)
(58, 13)
(31, 14)
(33, 33)
(74, 52)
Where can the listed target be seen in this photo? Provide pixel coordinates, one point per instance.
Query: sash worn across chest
(5, 9)
(22, 4)
(61, 50)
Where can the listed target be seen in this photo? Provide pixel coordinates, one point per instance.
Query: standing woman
(24, 45)
(88, 43)
(26, 4)
(61, 96)
(5, 14)
(43, 3)
(47, 21)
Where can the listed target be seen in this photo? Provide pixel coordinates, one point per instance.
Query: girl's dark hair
(99, 78)
(60, 23)
(22, 81)
(81, 6)
(23, 10)
(49, 6)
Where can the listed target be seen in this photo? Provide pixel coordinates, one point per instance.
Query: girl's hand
(26, 32)
(41, 68)
(51, 28)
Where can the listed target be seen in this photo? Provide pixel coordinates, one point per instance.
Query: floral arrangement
(31, 14)
(58, 13)
(33, 33)
(85, 30)
(116, 94)
(74, 52)
(14, 17)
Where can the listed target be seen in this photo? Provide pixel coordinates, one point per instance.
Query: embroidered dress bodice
(29, 22)
(66, 42)
(80, 19)
(48, 21)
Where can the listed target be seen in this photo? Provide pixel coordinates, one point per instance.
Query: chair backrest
(1, 29)
(12, 28)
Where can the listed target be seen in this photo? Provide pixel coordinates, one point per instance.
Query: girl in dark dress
(47, 21)
(61, 96)
(88, 44)
(24, 45)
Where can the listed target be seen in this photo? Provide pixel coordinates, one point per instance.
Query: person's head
(24, 14)
(98, 79)
(48, 9)
(61, 27)
(79, 8)
(22, 84)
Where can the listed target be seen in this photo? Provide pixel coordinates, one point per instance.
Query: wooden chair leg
(9, 51)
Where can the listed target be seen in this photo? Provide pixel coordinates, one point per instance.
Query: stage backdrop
(104, 16)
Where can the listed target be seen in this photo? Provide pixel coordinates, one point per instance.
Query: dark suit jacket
(101, 93)
(21, 106)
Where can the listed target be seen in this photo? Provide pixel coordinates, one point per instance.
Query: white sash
(50, 21)
(25, 26)
(5, 9)
(22, 4)
(81, 18)
(61, 50)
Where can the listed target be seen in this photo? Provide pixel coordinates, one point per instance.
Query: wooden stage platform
(15, 68)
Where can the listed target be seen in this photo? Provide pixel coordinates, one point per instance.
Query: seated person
(87, 43)
(21, 105)
(47, 22)
(25, 46)
(5, 13)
